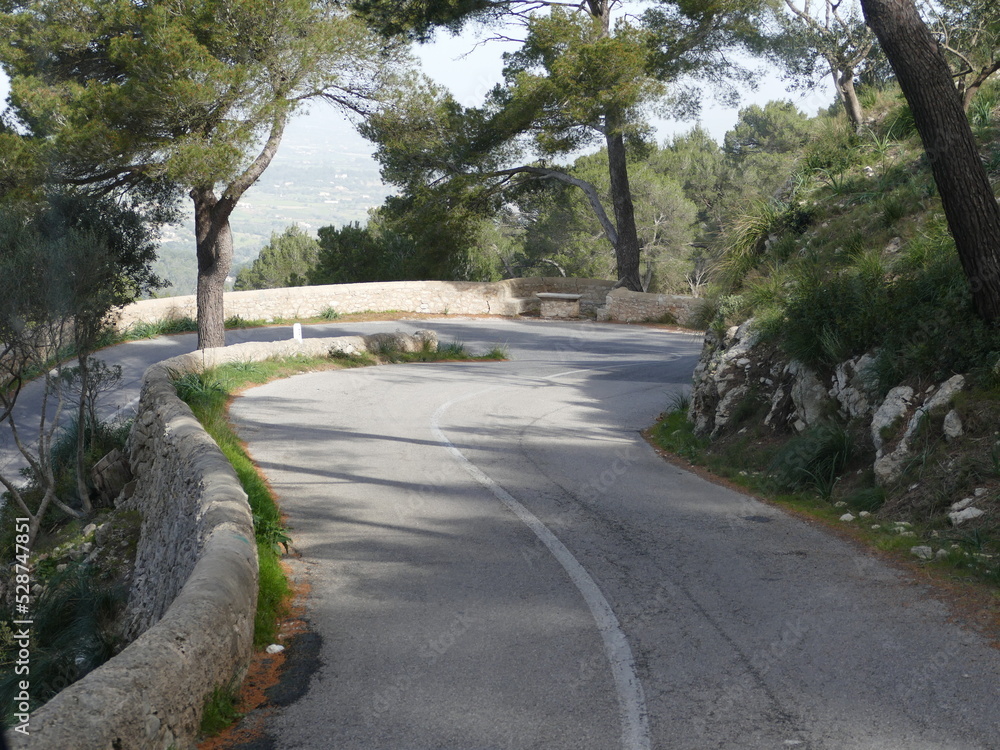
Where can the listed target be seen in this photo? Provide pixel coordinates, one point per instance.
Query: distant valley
(322, 175)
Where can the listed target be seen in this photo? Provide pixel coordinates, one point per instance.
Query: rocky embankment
(739, 372)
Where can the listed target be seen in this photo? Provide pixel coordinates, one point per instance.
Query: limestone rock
(923, 552)
(953, 425)
(776, 403)
(963, 503)
(967, 514)
(889, 467)
(847, 517)
(809, 395)
(110, 475)
(853, 380)
(723, 412)
(893, 408)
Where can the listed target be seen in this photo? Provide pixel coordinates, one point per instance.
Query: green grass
(220, 709)
(207, 394)
(328, 313)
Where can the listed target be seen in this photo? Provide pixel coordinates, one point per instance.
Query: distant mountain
(323, 174)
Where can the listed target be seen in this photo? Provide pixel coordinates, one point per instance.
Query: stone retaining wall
(637, 307)
(510, 297)
(194, 591)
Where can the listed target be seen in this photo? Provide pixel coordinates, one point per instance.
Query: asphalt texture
(498, 560)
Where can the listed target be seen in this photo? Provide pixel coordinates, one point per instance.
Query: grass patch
(220, 709)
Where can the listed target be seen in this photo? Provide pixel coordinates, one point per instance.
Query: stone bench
(556, 305)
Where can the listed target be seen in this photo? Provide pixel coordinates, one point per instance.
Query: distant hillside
(323, 175)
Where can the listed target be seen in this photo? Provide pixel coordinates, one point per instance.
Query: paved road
(498, 560)
(134, 357)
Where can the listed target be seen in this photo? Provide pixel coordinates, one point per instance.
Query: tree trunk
(215, 259)
(982, 77)
(627, 245)
(849, 96)
(82, 486)
(969, 204)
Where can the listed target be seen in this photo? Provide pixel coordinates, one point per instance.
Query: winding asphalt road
(498, 560)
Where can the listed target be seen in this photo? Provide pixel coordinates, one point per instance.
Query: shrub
(813, 460)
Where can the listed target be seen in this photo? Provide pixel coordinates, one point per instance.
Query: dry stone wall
(196, 580)
(510, 297)
(637, 307)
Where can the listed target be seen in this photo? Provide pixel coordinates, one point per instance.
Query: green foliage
(354, 254)
(165, 327)
(74, 259)
(74, 632)
(285, 261)
(777, 128)
(238, 321)
(328, 313)
(813, 459)
(748, 232)
(220, 709)
(578, 79)
(673, 432)
(194, 84)
(173, 97)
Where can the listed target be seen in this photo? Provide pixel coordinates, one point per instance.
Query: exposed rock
(945, 393)
(724, 411)
(891, 410)
(894, 246)
(967, 514)
(809, 395)
(963, 503)
(953, 425)
(723, 368)
(847, 517)
(781, 402)
(923, 552)
(853, 380)
(110, 475)
(889, 467)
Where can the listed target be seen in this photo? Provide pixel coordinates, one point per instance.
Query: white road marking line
(631, 699)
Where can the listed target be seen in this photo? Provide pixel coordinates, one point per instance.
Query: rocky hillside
(844, 368)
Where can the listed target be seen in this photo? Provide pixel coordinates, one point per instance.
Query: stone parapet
(639, 307)
(510, 297)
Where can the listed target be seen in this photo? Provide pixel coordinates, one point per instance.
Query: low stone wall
(510, 297)
(637, 307)
(194, 591)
